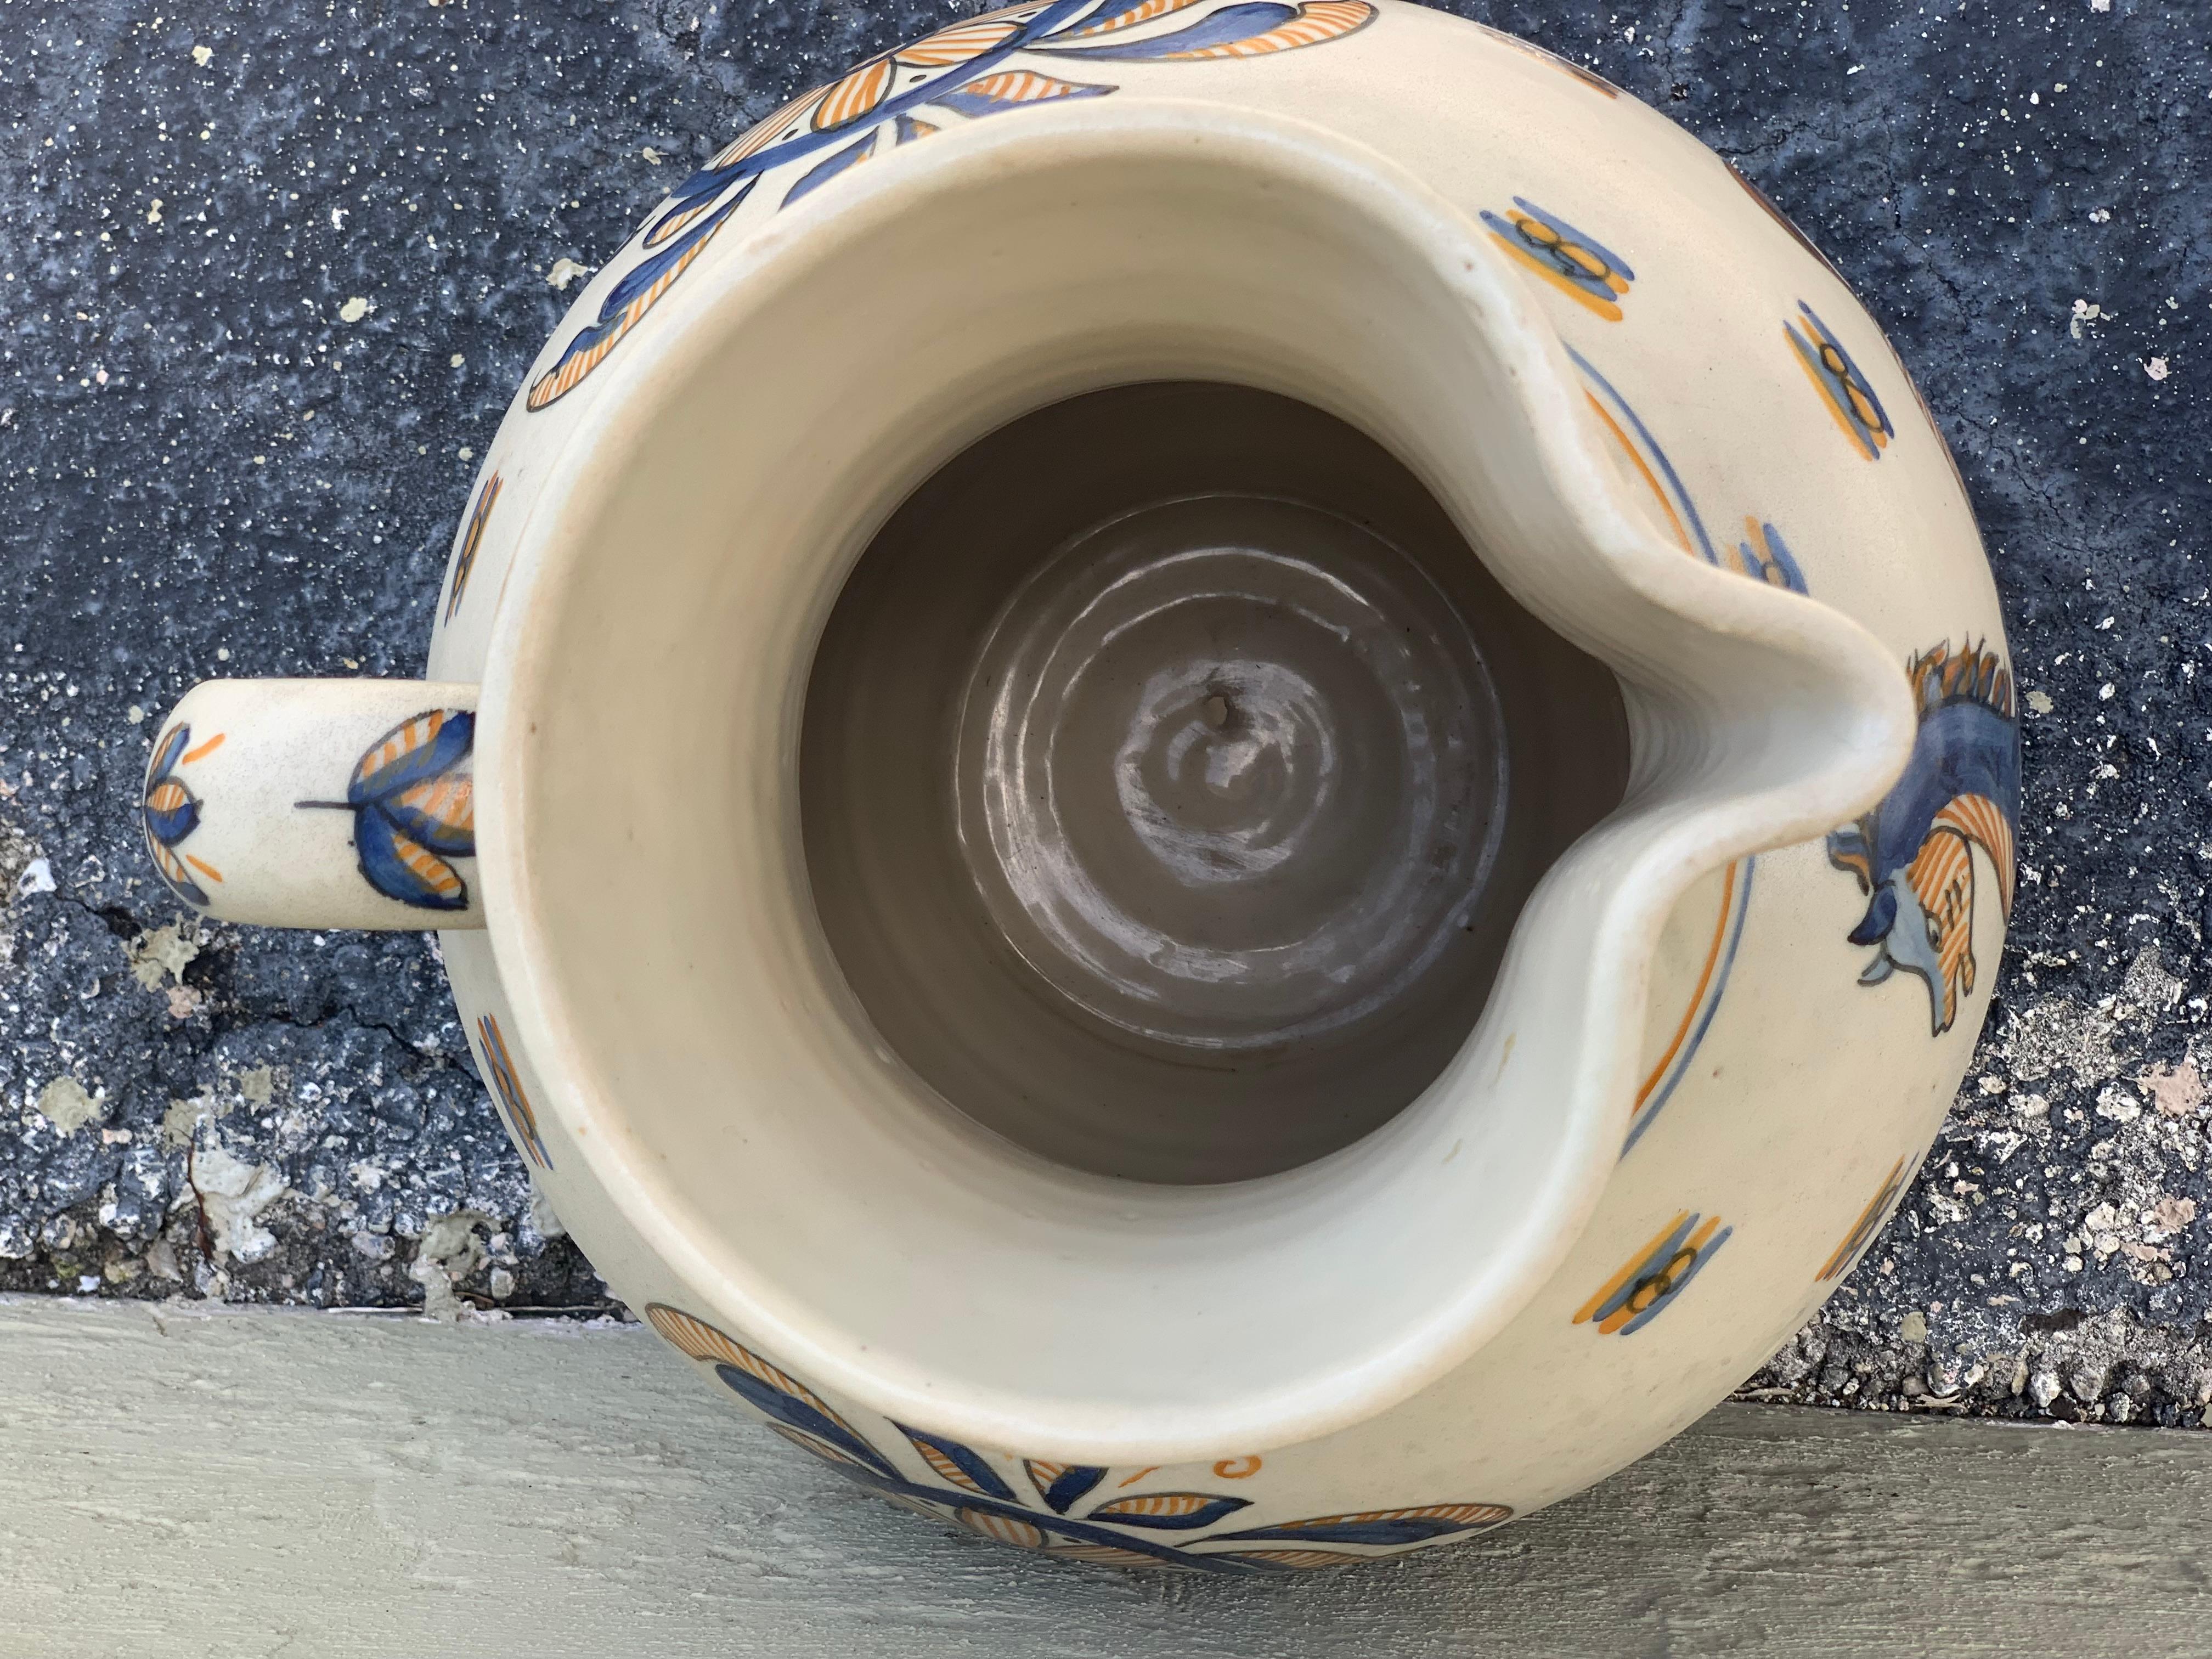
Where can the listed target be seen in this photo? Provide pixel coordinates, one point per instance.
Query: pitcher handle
(319, 803)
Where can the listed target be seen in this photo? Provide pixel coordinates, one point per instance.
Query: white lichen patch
(165, 953)
(64, 1104)
(448, 1252)
(541, 1218)
(180, 1124)
(232, 1194)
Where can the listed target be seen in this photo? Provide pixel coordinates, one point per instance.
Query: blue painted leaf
(1176, 1512)
(172, 811)
(641, 276)
(1222, 29)
(1705, 1253)
(1110, 17)
(179, 739)
(823, 171)
(836, 1457)
(909, 128)
(990, 94)
(1766, 557)
(1380, 1526)
(400, 867)
(411, 752)
(626, 305)
(809, 1419)
(439, 812)
(958, 1465)
(688, 207)
(1060, 1483)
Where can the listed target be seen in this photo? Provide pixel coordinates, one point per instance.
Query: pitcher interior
(1164, 1105)
(1172, 775)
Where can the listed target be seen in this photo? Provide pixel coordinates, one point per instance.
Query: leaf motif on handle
(169, 811)
(414, 810)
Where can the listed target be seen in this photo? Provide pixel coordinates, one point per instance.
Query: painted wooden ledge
(186, 1482)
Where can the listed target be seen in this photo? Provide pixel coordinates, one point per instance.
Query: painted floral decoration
(1762, 554)
(1841, 383)
(1015, 58)
(1077, 1512)
(1913, 854)
(1577, 264)
(1649, 1280)
(1865, 1227)
(506, 1086)
(464, 561)
(413, 801)
(170, 812)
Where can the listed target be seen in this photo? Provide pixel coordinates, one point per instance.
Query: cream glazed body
(1799, 986)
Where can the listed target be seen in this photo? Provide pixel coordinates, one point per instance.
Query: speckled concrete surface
(267, 273)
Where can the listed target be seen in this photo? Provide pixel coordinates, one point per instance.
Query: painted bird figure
(1913, 854)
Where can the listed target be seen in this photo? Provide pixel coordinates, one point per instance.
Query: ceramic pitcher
(1184, 823)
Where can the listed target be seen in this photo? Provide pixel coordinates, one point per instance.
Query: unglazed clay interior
(1172, 773)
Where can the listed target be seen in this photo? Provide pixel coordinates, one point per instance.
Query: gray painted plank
(234, 1484)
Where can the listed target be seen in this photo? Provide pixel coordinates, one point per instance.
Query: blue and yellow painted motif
(464, 559)
(1863, 1230)
(413, 801)
(1579, 265)
(1673, 1065)
(1913, 854)
(1763, 555)
(976, 1490)
(1649, 1280)
(506, 1084)
(170, 812)
(964, 71)
(1841, 384)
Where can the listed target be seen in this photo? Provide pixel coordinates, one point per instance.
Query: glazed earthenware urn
(1221, 783)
